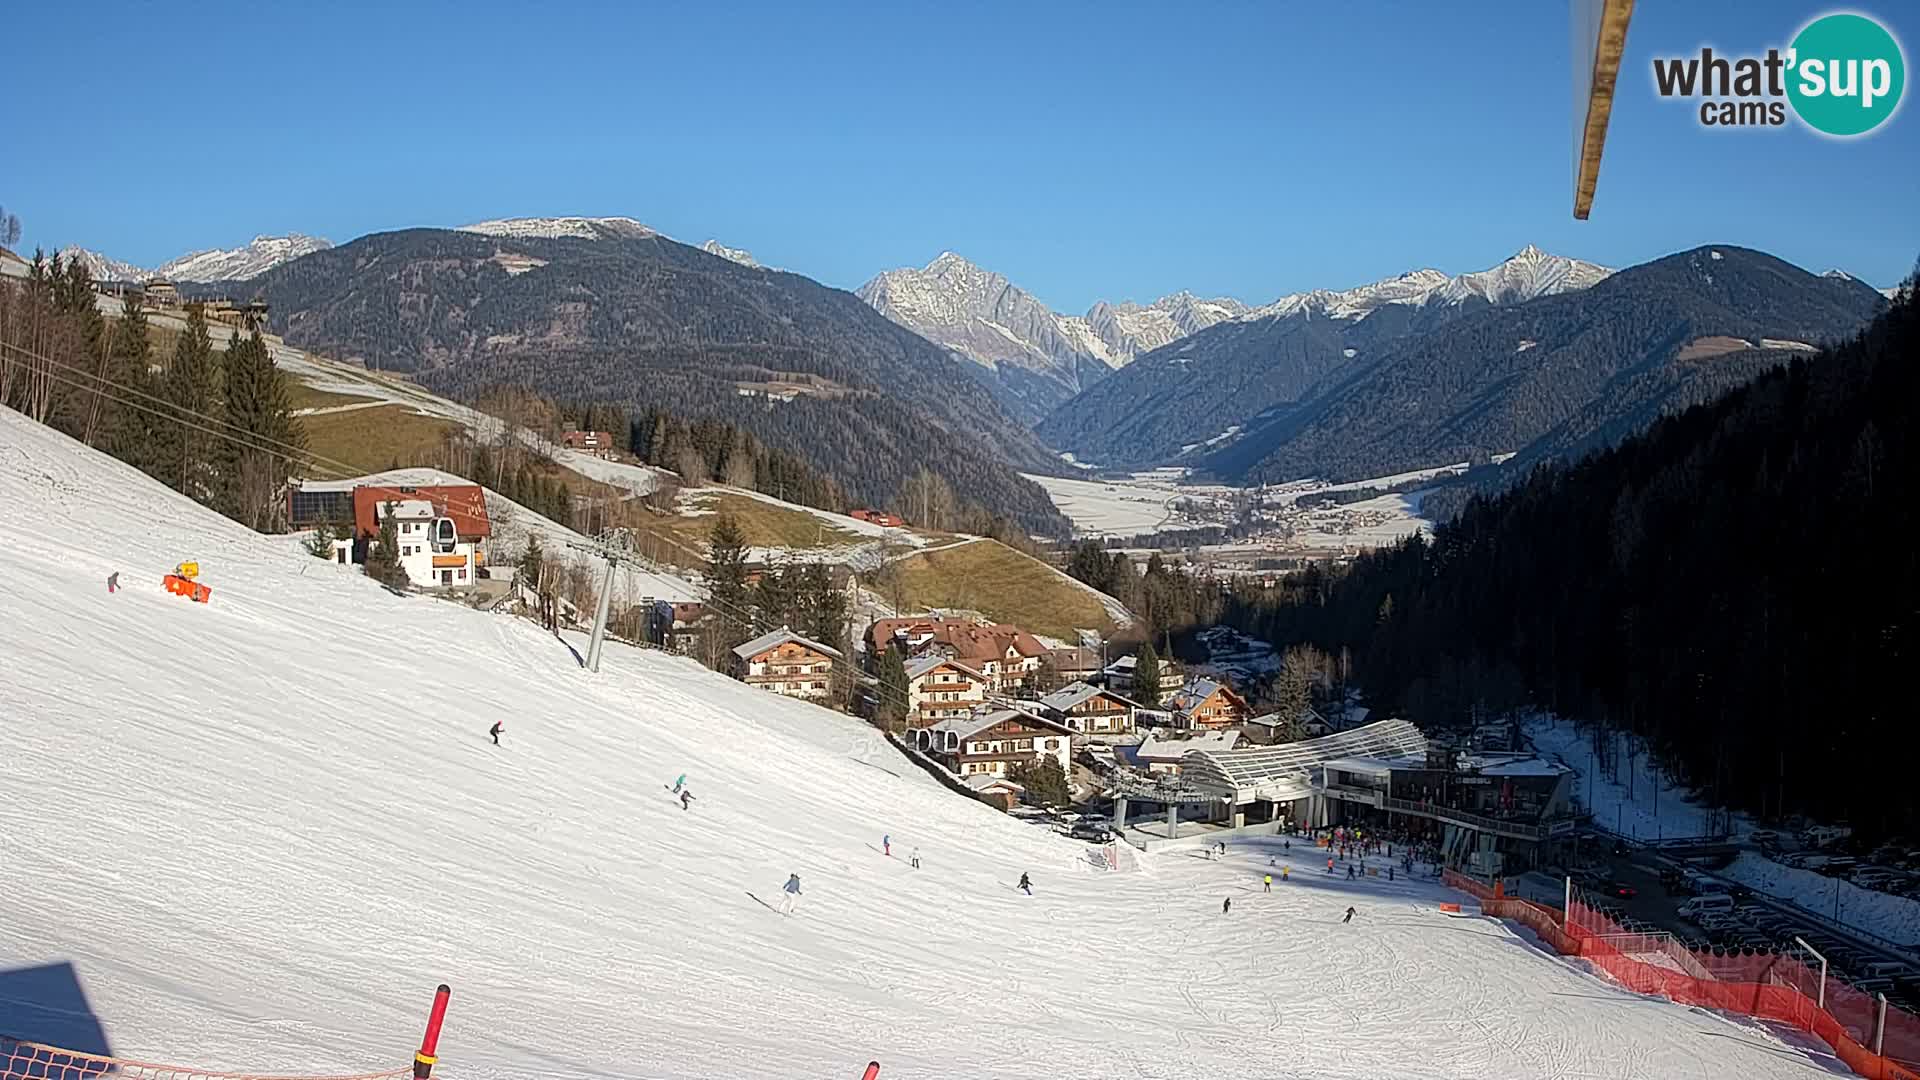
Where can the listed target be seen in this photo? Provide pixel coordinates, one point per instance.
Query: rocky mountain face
(731, 254)
(596, 309)
(1032, 357)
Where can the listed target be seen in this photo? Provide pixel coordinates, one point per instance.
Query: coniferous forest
(1739, 586)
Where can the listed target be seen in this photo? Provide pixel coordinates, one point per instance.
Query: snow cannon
(182, 583)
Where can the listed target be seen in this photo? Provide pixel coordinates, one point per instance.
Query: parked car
(1093, 831)
(1764, 837)
(1621, 890)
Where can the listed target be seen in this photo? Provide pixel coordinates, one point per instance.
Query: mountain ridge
(599, 310)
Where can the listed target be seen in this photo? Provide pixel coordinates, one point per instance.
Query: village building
(1162, 754)
(1119, 674)
(597, 443)
(1209, 705)
(441, 530)
(1008, 656)
(160, 292)
(1274, 728)
(996, 791)
(13, 266)
(942, 689)
(784, 663)
(1078, 663)
(878, 517)
(1091, 711)
(994, 743)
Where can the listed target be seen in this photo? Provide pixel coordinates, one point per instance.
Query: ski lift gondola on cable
(444, 534)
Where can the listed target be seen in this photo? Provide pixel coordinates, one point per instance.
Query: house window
(463, 574)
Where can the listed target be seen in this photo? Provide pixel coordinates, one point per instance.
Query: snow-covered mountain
(1530, 272)
(1034, 356)
(102, 267)
(260, 255)
(731, 254)
(549, 228)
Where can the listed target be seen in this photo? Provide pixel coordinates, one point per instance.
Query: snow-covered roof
(920, 665)
(988, 782)
(1077, 693)
(1285, 768)
(1156, 748)
(777, 638)
(966, 727)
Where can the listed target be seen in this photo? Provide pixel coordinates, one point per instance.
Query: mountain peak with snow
(260, 255)
(101, 267)
(1528, 273)
(554, 228)
(731, 254)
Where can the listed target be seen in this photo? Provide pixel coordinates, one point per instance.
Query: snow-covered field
(1652, 810)
(1892, 918)
(260, 831)
(1099, 508)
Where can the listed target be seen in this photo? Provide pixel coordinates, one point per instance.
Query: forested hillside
(1558, 375)
(641, 321)
(1739, 585)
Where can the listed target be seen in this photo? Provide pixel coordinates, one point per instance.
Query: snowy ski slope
(262, 829)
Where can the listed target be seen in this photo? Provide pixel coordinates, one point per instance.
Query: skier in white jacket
(792, 891)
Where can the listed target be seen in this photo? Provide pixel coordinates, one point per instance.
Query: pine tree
(256, 466)
(320, 544)
(1146, 676)
(191, 388)
(727, 583)
(891, 670)
(1045, 781)
(130, 430)
(383, 558)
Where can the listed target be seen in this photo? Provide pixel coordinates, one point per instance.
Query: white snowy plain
(262, 829)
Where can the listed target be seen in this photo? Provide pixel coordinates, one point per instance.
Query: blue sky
(1087, 151)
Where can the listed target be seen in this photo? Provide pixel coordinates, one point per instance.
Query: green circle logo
(1847, 74)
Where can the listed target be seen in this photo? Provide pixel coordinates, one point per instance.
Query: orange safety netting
(1769, 986)
(34, 1061)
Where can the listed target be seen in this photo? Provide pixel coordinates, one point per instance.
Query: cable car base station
(1497, 813)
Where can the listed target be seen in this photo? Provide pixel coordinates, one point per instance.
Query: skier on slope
(679, 782)
(913, 859)
(886, 846)
(1268, 882)
(1026, 885)
(1349, 917)
(1226, 905)
(496, 729)
(686, 796)
(113, 582)
(792, 893)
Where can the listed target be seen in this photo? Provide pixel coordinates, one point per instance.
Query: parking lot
(1753, 923)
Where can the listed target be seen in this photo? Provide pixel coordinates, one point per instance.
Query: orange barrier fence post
(430, 1042)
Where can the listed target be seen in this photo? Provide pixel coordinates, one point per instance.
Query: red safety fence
(21, 1060)
(1768, 986)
